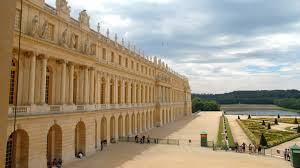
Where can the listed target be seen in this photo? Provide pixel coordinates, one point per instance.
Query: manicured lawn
(254, 128)
(220, 140)
(280, 120)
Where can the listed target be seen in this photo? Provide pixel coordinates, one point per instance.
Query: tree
(263, 140)
(276, 122)
(278, 116)
(239, 117)
(263, 123)
(296, 121)
(249, 116)
(269, 126)
(298, 129)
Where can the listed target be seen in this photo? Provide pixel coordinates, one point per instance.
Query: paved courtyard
(130, 155)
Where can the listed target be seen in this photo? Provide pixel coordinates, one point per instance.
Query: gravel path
(237, 132)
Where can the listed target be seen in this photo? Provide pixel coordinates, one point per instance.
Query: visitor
(144, 139)
(244, 147)
(285, 154)
(259, 149)
(54, 162)
(59, 163)
(148, 140)
(236, 147)
(190, 141)
(250, 148)
(254, 149)
(141, 141)
(49, 164)
(80, 155)
(101, 145)
(288, 155)
(136, 139)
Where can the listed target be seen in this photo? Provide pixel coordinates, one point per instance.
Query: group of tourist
(142, 139)
(55, 163)
(251, 148)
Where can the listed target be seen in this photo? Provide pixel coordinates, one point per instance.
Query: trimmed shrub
(239, 117)
(263, 123)
(263, 140)
(269, 126)
(298, 129)
(276, 122)
(295, 121)
(278, 116)
(249, 116)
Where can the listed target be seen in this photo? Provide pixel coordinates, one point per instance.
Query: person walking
(285, 154)
(288, 155)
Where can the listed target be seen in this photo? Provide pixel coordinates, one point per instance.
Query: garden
(256, 127)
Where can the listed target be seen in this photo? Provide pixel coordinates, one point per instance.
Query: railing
(150, 140)
(44, 109)
(55, 108)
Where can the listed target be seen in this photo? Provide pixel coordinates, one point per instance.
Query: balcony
(58, 109)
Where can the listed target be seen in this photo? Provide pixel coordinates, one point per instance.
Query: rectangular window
(93, 49)
(50, 33)
(104, 53)
(142, 68)
(112, 59)
(17, 19)
(120, 60)
(132, 65)
(137, 66)
(126, 62)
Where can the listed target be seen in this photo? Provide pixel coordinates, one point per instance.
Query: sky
(220, 45)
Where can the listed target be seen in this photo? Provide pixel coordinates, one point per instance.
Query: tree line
(204, 105)
(283, 98)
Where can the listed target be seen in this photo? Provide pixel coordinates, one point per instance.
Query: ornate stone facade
(77, 87)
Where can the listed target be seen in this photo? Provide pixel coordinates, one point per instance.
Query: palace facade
(73, 87)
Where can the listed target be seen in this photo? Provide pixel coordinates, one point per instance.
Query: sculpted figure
(86, 48)
(34, 26)
(63, 6)
(44, 30)
(84, 18)
(64, 38)
(73, 41)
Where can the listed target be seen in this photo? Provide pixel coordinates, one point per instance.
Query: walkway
(131, 155)
(237, 132)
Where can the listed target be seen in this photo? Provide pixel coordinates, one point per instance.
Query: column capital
(29, 53)
(62, 61)
(43, 56)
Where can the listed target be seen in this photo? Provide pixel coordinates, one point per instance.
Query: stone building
(73, 87)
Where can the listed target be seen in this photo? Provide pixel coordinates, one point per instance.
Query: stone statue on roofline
(98, 28)
(62, 6)
(84, 18)
(107, 33)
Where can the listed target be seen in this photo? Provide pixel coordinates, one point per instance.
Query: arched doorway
(127, 125)
(138, 123)
(103, 129)
(112, 128)
(133, 125)
(54, 143)
(17, 150)
(120, 126)
(80, 138)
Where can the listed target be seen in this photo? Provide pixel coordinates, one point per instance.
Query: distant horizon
(247, 90)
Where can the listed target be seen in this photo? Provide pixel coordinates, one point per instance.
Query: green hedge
(220, 140)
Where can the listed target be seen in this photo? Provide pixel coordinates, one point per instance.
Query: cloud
(220, 45)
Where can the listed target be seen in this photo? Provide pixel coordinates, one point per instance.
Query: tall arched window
(119, 92)
(48, 86)
(126, 93)
(111, 91)
(13, 83)
(103, 91)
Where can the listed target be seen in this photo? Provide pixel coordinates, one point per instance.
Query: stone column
(135, 123)
(129, 92)
(32, 79)
(108, 129)
(43, 79)
(134, 93)
(92, 86)
(63, 82)
(116, 94)
(123, 92)
(107, 90)
(161, 117)
(124, 126)
(130, 125)
(117, 128)
(86, 85)
(71, 83)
